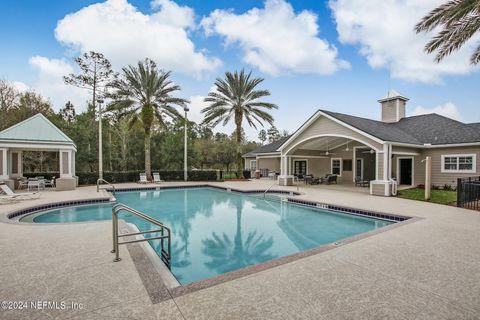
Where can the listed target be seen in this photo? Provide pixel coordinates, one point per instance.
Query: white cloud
(447, 109)
(49, 82)
(384, 31)
(126, 35)
(196, 106)
(276, 39)
(20, 86)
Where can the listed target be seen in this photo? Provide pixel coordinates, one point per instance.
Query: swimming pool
(214, 231)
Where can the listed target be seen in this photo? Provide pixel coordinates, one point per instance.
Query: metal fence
(468, 193)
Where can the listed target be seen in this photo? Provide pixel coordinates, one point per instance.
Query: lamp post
(185, 168)
(100, 146)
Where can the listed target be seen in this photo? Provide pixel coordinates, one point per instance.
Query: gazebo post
(66, 180)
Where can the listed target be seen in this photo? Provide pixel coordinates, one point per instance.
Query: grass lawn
(437, 196)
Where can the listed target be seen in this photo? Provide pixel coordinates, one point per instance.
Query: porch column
(3, 164)
(65, 163)
(283, 167)
(66, 180)
(354, 163)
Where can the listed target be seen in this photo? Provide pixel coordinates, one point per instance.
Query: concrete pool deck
(428, 269)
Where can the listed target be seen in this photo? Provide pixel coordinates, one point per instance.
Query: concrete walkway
(428, 269)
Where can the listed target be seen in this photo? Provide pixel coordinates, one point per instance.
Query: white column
(283, 166)
(354, 163)
(386, 160)
(289, 166)
(20, 163)
(65, 157)
(3, 164)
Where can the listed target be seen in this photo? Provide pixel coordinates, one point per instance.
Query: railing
(165, 234)
(106, 182)
(268, 189)
(468, 193)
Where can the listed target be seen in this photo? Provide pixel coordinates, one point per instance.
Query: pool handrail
(165, 255)
(106, 182)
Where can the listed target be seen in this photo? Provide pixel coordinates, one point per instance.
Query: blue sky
(340, 55)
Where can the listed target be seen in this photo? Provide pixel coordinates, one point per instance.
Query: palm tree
(144, 94)
(236, 98)
(459, 19)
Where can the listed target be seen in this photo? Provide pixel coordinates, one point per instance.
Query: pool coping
(152, 281)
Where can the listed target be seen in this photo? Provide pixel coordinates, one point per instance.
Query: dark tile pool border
(55, 205)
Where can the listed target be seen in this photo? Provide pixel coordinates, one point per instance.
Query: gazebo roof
(36, 129)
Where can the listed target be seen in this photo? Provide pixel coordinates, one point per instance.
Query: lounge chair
(8, 199)
(50, 183)
(360, 182)
(329, 178)
(22, 183)
(156, 178)
(143, 178)
(18, 196)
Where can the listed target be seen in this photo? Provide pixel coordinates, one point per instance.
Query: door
(359, 168)
(300, 167)
(406, 171)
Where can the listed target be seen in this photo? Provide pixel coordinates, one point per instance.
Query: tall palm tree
(144, 94)
(459, 19)
(236, 97)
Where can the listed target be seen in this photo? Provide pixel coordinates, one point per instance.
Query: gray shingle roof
(271, 147)
(423, 129)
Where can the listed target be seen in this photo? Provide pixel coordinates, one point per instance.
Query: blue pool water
(214, 231)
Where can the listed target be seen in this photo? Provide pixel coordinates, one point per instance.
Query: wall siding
(439, 178)
(272, 164)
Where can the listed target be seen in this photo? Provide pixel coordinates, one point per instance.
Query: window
(459, 163)
(336, 164)
(347, 165)
(253, 165)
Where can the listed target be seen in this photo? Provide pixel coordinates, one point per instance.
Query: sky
(339, 55)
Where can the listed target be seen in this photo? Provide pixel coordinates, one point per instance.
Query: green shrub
(134, 176)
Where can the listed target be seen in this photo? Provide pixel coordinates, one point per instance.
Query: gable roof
(268, 148)
(35, 129)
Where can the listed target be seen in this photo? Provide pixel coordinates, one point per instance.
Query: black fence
(468, 193)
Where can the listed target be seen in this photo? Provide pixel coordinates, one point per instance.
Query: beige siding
(325, 126)
(272, 164)
(397, 149)
(439, 178)
(389, 110)
(247, 162)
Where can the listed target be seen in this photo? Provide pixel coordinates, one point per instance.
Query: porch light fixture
(347, 149)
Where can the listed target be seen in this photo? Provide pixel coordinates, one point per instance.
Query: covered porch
(36, 134)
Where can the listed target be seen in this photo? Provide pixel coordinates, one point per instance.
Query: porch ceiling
(330, 143)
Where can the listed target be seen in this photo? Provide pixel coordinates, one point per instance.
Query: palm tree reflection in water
(227, 255)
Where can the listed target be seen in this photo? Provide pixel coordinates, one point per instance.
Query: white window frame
(341, 166)
(474, 163)
(253, 169)
(307, 172)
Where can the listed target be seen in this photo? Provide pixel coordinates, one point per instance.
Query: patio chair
(18, 196)
(143, 178)
(22, 183)
(33, 183)
(50, 183)
(331, 179)
(360, 182)
(156, 178)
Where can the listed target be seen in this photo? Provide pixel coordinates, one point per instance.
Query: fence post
(459, 191)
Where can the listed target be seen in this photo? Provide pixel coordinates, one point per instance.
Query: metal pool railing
(106, 182)
(165, 234)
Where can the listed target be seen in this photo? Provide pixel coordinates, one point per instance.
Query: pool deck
(427, 269)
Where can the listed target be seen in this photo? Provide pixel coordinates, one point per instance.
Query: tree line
(143, 125)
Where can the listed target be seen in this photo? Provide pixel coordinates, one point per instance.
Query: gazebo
(36, 133)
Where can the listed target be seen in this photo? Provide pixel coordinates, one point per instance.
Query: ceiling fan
(327, 153)
(371, 151)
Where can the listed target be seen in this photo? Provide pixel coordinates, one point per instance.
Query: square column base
(65, 184)
(285, 180)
